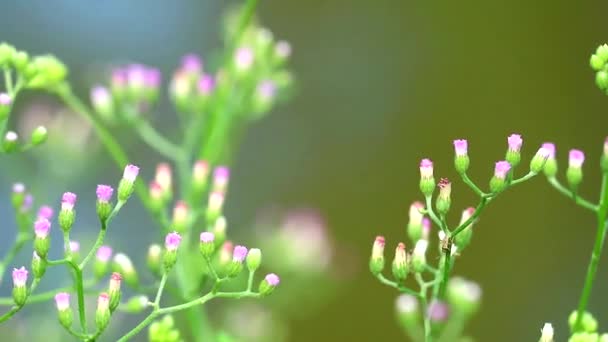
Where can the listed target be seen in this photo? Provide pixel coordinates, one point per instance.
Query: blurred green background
(381, 84)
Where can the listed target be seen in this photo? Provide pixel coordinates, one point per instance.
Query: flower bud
(205, 87)
(574, 174)
(45, 212)
(214, 207)
(537, 163)
(264, 96)
(123, 265)
(74, 247)
(376, 261)
(438, 311)
(400, 263)
(219, 230)
(64, 312)
(19, 286)
(42, 243)
(221, 175)
(443, 200)
(5, 106)
(67, 215)
(6, 53)
(180, 216)
(102, 315)
(207, 245)
(464, 296)
(136, 304)
(498, 181)
(243, 59)
(103, 103)
(102, 259)
(236, 265)
(267, 286)
(588, 322)
(513, 156)
(225, 256)
(126, 185)
(180, 89)
(419, 255)
(546, 333)
(200, 173)
(155, 255)
(461, 160)
(550, 167)
(172, 242)
(602, 52)
(38, 266)
(10, 142)
(408, 312)
(426, 229)
(414, 225)
(463, 239)
(601, 80)
(104, 205)
(254, 259)
(39, 135)
(427, 181)
(157, 199)
(18, 195)
(282, 51)
(114, 290)
(164, 179)
(596, 63)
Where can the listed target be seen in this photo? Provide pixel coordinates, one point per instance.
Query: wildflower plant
(196, 259)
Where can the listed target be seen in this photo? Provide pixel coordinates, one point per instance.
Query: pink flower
(550, 147)
(74, 246)
(172, 241)
(272, 279)
(239, 253)
(100, 96)
(19, 277)
(221, 175)
(156, 191)
(515, 141)
(68, 200)
(104, 253)
(130, 173)
(164, 176)
(426, 168)
(501, 169)
(461, 147)
(576, 158)
(438, 311)
(243, 58)
(266, 90)
(5, 99)
(192, 63)
(62, 301)
(104, 193)
(207, 237)
(206, 84)
(200, 171)
(42, 227)
(45, 212)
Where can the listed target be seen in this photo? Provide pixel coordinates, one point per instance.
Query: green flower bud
(136, 304)
(461, 159)
(463, 239)
(602, 52)
(6, 53)
(400, 266)
(546, 334)
(10, 143)
(38, 266)
(408, 312)
(207, 244)
(126, 184)
(498, 181)
(102, 315)
(19, 286)
(114, 292)
(39, 135)
(414, 225)
(376, 261)
(267, 286)
(64, 312)
(537, 163)
(419, 256)
(427, 182)
(172, 242)
(588, 322)
(254, 259)
(574, 173)
(42, 246)
(601, 79)
(584, 337)
(20, 60)
(123, 265)
(443, 200)
(219, 230)
(596, 63)
(155, 255)
(463, 296)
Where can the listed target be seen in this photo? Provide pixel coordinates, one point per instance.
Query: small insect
(446, 245)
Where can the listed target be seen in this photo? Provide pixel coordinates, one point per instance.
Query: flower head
(130, 173)
(206, 84)
(438, 311)
(192, 63)
(42, 227)
(172, 241)
(115, 281)
(62, 301)
(45, 212)
(18, 188)
(100, 96)
(5, 99)
(200, 171)
(266, 90)
(576, 158)
(426, 168)
(461, 147)
(239, 253)
(515, 141)
(74, 246)
(19, 277)
(104, 193)
(243, 58)
(378, 247)
(207, 237)
(104, 253)
(221, 175)
(272, 279)
(445, 187)
(68, 200)
(164, 176)
(156, 191)
(103, 302)
(426, 228)
(501, 169)
(550, 148)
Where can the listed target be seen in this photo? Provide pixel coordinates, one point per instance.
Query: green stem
(472, 185)
(10, 255)
(429, 210)
(100, 237)
(48, 295)
(480, 207)
(158, 142)
(80, 293)
(161, 288)
(399, 287)
(577, 199)
(602, 226)
(445, 274)
(16, 309)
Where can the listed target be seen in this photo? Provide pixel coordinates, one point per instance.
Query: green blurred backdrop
(381, 85)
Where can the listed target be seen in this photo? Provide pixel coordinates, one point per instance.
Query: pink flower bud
(115, 281)
(103, 302)
(5, 99)
(62, 301)
(239, 253)
(550, 147)
(104, 253)
(576, 158)
(74, 246)
(426, 169)
(42, 227)
(272, 279)
(378, 247)
(501, 169)
(282, 49)
(68, 200)
(207, 237)
(200, 172)
(104, 193)
(515, 141)
(130, 173)
(221, 175)
(156, 191)
(164, 176)
(192, 63)
(243, 58)
(172, 241)
(45, 212)
(438, 311)
(461, 147)
(205, 85)
(266, 90)
(19, 277)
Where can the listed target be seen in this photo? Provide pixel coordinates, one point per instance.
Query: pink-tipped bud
(214, 207)
(427, 182)
(444, 200)
(400, 266)
(126, 186)
(62, 301)
(102, 315)
(414, 225)
(576, 158)
(376, 263)
(461, 147)
(226, 252)
(42, 227)
(266, 91)
(221, 175)
(426, 168)
(74, 246)
(205, 85)
(114, 290)
(243, 58)
(164, 176)
(101, 98)
(501, 169)
(156, 191)
(550, 147)
(103, 302)
(45, 212)
(270, 282)
(130, 173)
(515, 141)
(68, 200)
(272, 279)
(104, 254)
(5, 99)
(192, 63)
(19, 277)
(550, 167)
(104, 193)
(207, 237)
(200, 172)
(180, 216)
(172, 241)
(207, 245)
(426, 229)
(239, 254)
(438, 311)
(606, 147)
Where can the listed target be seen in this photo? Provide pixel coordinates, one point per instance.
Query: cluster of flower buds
(133, 89)
(191, 87)
(36, 72)
(164, 330)
(599, 63)
(217, 195)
